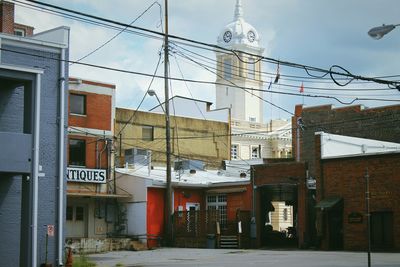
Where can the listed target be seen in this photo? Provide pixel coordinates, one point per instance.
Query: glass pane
(147, 133)
(79, 214)
(77, 104)
(69, 215)
(251, 67)
(77, 152)
(227, 69)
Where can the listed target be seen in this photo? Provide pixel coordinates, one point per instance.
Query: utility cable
(120, 32)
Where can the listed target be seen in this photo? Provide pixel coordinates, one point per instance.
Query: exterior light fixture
(378, 32)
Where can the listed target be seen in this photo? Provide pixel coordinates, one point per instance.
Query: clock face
(227, 36)
(251, 36)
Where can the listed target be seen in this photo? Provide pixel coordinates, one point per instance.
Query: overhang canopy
(328, 203)
(226, 190)
(97, 195)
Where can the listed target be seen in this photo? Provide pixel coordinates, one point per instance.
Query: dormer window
(19, 32)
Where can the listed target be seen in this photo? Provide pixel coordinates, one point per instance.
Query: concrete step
(138, 246)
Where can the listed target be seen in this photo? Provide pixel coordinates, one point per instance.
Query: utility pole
(168, 193)
(367, 197)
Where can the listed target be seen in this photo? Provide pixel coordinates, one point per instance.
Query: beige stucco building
(207, 140)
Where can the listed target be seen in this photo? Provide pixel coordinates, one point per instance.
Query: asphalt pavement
(180, 257)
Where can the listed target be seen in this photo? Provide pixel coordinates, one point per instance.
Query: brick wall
(380, 123)
(283, 173)
(7, 24)
(7, 17)
(98, 112)
(346, 178)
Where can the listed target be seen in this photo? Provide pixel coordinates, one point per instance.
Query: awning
(97, 195)
(226, 190)
(328, 203)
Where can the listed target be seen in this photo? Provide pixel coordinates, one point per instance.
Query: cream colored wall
(277, 220)
(187, 137)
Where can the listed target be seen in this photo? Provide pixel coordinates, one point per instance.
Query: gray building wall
(15, 189)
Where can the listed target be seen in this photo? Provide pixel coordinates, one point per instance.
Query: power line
(198, 81)
(120, 32)
(183, 55)
(144, 96)
(306, 68)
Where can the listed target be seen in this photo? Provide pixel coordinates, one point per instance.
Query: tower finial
(238, 10)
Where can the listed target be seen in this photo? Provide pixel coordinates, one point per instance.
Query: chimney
(7, 24)
(6, 17)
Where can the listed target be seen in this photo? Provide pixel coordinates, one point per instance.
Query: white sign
(50, 230)
(83, 175)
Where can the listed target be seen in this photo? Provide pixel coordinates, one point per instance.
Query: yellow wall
(190, 138)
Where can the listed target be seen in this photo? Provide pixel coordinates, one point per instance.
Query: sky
(316, 33)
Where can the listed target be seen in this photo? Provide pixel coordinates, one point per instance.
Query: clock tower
(240, 72)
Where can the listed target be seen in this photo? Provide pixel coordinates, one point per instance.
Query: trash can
(210, 241)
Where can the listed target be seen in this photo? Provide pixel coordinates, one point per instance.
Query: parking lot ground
(181, 257)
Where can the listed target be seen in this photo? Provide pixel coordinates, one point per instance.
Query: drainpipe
(61, 150)
(35, 171)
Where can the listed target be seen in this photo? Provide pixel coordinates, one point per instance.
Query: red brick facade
(345, 177)
(282, 174)
(98, 112)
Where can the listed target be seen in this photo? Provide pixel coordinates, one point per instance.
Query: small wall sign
(355, 217)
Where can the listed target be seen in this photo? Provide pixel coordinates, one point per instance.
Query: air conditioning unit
(136, 156)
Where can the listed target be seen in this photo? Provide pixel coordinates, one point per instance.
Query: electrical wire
(308, 69)
(197, 81)
(120, 32)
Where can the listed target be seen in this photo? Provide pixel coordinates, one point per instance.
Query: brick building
(343, 163)
(7, 23)
(92, 205)
(32, 140)
(380, 123)
(283, 183)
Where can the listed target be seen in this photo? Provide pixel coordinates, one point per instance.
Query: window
(234, 151)
(79, 214)
(147, 133)
(75, 213)
(19, 32)
(251, 68)
(218, 202)
(255, 152)
(252, 119)
(227, 69)
(77, 152)
(77, 104)
(70, 213)
(285, 214)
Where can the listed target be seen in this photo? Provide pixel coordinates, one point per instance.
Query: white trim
(35, 172)
(85, 131)
(31, 40)
(22, 69)
(90, 88)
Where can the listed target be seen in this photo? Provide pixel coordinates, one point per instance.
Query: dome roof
(239, 32)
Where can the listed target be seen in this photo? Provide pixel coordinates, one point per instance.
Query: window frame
(146, 128)
(77, 163)
(227, 69)
(84, 111)
(251, 68)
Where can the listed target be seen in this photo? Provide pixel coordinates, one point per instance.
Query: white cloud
(313, 32)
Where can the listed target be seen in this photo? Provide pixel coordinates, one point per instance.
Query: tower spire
(238, 10)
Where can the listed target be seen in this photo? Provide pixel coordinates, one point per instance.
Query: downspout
(35, 171)
(61, 141)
